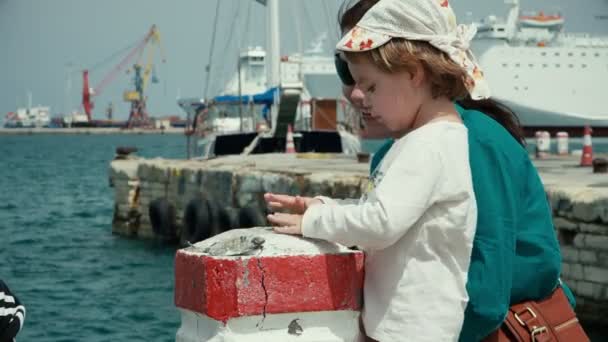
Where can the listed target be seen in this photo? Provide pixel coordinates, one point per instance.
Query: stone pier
(578, 197)
(231, 181)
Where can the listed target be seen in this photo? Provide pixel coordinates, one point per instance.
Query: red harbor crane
(142, 52)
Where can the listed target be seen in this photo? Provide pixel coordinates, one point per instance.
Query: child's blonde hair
(445, 77)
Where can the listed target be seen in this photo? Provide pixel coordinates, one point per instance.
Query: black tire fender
(162, 218)
(250, 217)
(196, 222)
(228, 218)
(215, 218)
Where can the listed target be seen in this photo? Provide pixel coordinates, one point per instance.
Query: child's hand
(286, 223)
(293, 204)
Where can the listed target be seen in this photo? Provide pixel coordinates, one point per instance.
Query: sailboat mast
(273, 57)
(68, 88)
(273, 44)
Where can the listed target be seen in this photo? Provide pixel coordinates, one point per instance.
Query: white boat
(540, 19)
(313, 72)
(30, 117)
(301, 90)
(549, 77)
(76, 119)
(315, 101)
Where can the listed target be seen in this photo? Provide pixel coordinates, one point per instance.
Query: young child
(417, 222)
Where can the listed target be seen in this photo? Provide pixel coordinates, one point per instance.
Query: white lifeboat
(542, 20)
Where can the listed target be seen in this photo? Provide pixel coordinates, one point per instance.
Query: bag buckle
(538, 331)
(516, 315)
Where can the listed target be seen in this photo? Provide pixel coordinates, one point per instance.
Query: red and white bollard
(256, 285)
(562, 143)
(587, 156)
(543, 144)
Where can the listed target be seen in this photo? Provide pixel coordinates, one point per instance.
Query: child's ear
(418, 75)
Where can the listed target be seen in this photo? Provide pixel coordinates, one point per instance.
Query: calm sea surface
(77, 280)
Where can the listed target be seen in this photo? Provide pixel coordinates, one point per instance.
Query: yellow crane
(143, 73)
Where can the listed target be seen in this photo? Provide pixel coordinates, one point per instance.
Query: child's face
(393, 99)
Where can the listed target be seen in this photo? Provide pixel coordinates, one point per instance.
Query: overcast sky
(42, 40)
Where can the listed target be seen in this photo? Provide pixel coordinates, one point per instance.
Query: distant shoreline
(88, 130)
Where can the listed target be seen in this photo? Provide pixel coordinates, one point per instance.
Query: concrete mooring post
(256, 285)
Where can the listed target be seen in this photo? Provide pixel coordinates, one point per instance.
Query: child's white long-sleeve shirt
(416, 224)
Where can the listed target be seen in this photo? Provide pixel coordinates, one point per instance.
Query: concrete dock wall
(579, 200)
(578, 197)
(231, 182)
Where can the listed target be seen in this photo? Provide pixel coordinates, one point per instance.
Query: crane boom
(88, 92)
(86, 95)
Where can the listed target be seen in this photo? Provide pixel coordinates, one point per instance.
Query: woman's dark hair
(499, 112)
(352, 11)
(350, 14)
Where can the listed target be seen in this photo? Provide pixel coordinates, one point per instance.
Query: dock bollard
(257, 285)
(600, 165)
(562, 143)
(123, 152)
(362, 157)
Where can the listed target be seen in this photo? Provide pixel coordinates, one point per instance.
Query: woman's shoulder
(482, 123)
(488, 134)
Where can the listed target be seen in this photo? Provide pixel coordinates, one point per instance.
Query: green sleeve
(515, 253)
(490, 272)
(379, 155)
(538, 260)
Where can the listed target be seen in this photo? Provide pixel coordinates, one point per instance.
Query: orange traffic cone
(587, 156)
(289, 146)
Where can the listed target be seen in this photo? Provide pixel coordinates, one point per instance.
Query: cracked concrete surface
(261, 324)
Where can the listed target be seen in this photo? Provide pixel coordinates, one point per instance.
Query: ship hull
(537, 117)
(548, 86)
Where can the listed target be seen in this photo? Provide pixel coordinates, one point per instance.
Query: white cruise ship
(549, 77)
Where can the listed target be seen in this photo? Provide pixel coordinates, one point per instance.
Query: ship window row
(544, 65)
(570, 54)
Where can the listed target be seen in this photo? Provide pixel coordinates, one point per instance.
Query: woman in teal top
(516, 255)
